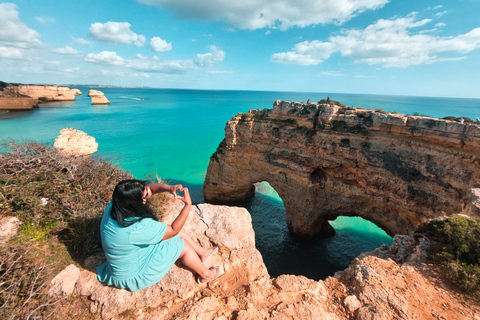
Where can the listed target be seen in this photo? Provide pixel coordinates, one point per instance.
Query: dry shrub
(60, 201)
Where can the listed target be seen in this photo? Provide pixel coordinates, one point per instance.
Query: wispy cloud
(332, 73)
(45, 20)
(66, 50)
(83, 41)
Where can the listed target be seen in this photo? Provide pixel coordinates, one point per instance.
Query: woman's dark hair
(127, 202)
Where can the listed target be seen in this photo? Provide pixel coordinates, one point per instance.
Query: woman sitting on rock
(140, 250)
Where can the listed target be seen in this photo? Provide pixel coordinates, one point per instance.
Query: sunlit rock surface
(76, 143)
(98, 97)
(325, 160)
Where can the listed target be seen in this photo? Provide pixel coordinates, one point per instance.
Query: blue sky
(396, 47)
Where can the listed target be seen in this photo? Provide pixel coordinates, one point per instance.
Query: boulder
(64, 283)
(471, 203)
(72, 142)
(8, 228)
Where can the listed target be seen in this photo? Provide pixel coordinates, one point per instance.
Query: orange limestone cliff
(326, 160)
(27, 97)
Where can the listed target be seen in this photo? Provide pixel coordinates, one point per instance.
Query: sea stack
(98, 97)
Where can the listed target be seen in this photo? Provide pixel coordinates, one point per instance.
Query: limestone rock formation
(324, 161)
(47, 93)
(27, 97)
(375, 286)
(76, 143)
(17, 103)
(98, 97)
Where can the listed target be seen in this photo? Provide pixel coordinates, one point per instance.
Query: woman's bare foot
(208, 253)
(214, 272)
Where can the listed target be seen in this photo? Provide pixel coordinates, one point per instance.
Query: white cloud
(440, 24)
(387, 42)
(215, 72)
(14, 33)
(154, 64)
(66, 50)
(116, 32)
(46, 20)
(72, 70)
(439, 14)
(332, 73)
(11, 53)
(157, 44)
(282, 14)
(211, 58)
(105, 57)
(83, 41)
(306, 53)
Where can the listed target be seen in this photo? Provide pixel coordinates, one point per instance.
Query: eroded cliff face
(324, 161)
(27, 97)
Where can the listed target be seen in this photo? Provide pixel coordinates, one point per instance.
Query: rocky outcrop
(389, 283)
(18, 103)
(27, 97)
(72, 142)
(325, 160)
(47, 93)
(98, 97)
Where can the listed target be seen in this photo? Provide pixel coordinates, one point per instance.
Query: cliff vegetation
(456, 250)
(59, 201)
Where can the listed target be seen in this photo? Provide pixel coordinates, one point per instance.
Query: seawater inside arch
(283, 255)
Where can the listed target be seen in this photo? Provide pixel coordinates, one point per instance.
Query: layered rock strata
(47, 93)
(27, 97)
(98, 97)
(325, 160)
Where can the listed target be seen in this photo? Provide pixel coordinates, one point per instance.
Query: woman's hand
(173, 190)
(147, 193)
(186, 196)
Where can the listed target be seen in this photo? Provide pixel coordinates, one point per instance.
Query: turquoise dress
(136, 255)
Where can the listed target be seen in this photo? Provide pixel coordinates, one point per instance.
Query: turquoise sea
(172, 134)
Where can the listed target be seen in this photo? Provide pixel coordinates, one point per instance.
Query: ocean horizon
(171, 133)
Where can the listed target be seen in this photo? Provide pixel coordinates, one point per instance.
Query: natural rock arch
(326, 160)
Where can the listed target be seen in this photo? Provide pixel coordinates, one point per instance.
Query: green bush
(456, 250)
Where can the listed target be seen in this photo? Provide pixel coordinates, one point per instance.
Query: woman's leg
(201, 252)
(191, 260)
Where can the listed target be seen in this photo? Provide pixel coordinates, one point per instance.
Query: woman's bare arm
(177, 225)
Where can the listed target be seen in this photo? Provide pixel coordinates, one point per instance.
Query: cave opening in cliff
(283, 255)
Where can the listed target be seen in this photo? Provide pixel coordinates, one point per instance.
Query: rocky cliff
(390, 283)
(326, 160)
(27, 97)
